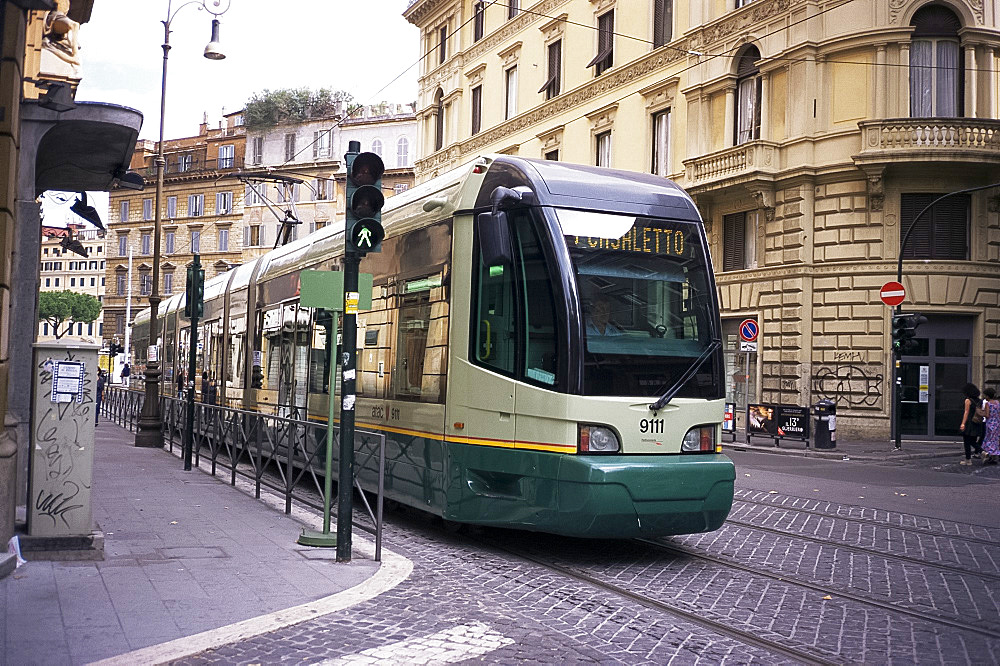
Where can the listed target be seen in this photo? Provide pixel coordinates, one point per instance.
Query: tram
(543, 350)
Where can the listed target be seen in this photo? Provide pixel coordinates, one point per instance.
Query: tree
(271, 107)
(59, 307)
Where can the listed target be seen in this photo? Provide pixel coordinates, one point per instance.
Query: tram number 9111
(651, 426)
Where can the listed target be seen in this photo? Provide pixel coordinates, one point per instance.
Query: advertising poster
(728, 418)
(783, 421)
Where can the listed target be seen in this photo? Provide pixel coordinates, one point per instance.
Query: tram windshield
(648, 307)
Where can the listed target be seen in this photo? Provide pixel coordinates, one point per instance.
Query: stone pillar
(904, 80)
(765, 107)
(971, 81)
(704, 143)
(881, 91)
(730, 127)
(822, 120)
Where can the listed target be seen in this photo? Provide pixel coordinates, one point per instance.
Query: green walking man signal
(363, 216)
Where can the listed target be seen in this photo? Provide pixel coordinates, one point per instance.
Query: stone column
(881, 92)
(765, 106)
(904, 80)
(822, 120)
(971, 81)
(704, 143)
(729, 138)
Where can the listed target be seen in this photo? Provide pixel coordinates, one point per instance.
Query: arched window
(748, 97)
(439, 120)
(935, 64)
(402, 152)
(377, 147)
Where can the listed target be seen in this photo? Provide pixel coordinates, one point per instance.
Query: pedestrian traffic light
(904, 331)
(114, 349)
(194, 302)
(364, 232)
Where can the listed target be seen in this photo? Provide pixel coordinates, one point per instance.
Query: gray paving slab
(185, 553)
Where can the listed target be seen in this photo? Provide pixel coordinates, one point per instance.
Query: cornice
(886, 268)
(745, 19)
(418, 12)
(490, 42)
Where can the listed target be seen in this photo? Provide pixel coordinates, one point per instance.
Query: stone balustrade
(962, 138)
(736, 162)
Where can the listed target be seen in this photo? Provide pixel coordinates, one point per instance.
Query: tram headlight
(699, 439)
(598, 439)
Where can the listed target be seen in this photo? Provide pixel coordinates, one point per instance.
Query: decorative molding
(764, 200)
(876, 192)
(744, 20)
(475, 75)
(493, 40)
(896, 8)
(601, 6)
(551, 138)
(510, 54)
(554, 29)
(660, 95)
(602, 118)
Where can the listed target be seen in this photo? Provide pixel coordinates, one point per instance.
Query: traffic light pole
(192, 367)
(348, 383)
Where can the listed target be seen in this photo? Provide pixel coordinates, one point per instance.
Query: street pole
(128, 311)
(192, 368)
(897, 400)
(345, 483)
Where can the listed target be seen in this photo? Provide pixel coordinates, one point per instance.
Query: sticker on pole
(351, 299)
(892, 293)
(749, 330)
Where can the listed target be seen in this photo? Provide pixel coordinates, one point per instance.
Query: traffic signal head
(364, 232)
(904, 331)
(194, 300)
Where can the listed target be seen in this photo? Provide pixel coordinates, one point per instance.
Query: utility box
(62, 455)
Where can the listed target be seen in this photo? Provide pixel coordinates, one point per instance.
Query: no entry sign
(749, 330)
(892, 293)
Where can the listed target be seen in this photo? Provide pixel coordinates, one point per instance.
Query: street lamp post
(150, 432)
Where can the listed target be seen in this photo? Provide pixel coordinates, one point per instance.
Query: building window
(147, 209)
(377, 147)
(738, 241)
(123, 211)
(552, 155)
(145, 284)
(171, 207)
(553, 81)
(289, 147)
(402, 152)
(478, 21)
(510, 102)
(399, 188)
(442, 44)
(223, 240)
(168, 283)
(48, 282)
(93, 282)
(513, 7)
(257, 149)
(940, 233)
(196, 205)
(169, 242)
(439, 121)
(743, 3)
(477, 109)
(195, 242)
(122, 284)
(748, 93)
(323, 189)
(120, 324)
(223, 203)
(227, 156)
(253, 194)
(252, 235)
(602, 146)
(663, 22)
(288, 192)
(122, 245)
(321, 143)
(72, 282)
(605, 44)
(661, 143)
(935, 64)
(145, 240)
(184, 162)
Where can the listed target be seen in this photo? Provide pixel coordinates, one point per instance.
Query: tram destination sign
(641, 240)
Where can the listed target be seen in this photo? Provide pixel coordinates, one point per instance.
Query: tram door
(293, 361)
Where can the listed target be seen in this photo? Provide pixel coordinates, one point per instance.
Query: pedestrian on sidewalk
(101, 380)
(972, 424)
(991, 419)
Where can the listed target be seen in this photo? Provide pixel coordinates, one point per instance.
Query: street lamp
(150, 431)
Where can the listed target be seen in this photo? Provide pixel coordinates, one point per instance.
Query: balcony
(972, 140)
(194, 166)
(754, 160)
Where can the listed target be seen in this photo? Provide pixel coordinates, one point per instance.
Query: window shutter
(315, 144)
(734, 242)
(951, 228)
(663, 19)
(918, 246)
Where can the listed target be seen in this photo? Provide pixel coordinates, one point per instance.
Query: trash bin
(825, 412)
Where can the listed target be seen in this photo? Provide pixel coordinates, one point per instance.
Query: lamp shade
(212, 51)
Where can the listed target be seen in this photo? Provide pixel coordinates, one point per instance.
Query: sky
(268, 45)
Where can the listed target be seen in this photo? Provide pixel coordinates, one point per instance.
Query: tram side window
(319, 353)
(540, 325)
(272, 352)
(409, 379)
(495, 335)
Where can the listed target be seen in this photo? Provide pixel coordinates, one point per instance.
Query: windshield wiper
(673, 390)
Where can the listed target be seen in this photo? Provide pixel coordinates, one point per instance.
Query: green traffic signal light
(904, 331)
(363, 217)
(194, 301)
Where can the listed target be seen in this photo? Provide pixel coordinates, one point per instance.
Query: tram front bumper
(620, 497)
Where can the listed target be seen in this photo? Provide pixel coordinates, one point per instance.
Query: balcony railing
(195, 165)
(737, 162)
(961, 139)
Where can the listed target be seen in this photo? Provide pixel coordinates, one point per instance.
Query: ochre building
(811, 134)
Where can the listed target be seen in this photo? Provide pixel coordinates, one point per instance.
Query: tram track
(870, 521)
(865, 551)
(833, 592)
(694, 617)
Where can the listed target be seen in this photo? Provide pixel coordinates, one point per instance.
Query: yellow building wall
(852, 79)
(719, 121)
(779, 103)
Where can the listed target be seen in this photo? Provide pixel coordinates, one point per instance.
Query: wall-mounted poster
(784, 421)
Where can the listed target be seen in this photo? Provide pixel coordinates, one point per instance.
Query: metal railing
(286, 456)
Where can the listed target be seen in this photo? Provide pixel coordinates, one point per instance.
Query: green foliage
(272, 107)
(59, 307)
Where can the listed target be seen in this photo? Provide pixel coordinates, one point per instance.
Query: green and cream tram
(542, 350)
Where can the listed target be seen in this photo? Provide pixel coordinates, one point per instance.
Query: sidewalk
(869, 450)
(185, 554)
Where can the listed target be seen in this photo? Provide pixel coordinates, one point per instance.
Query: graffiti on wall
(848, 384)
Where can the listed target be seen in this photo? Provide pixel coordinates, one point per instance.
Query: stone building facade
(312, 151)
(63, 270)
(202, 213)
(811, 135)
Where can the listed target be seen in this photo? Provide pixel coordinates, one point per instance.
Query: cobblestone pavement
(467, 600)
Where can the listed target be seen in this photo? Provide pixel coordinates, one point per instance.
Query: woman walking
(991, 415)
(972, 424)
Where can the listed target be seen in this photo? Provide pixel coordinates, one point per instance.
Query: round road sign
(749, 330)
(892, 293)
